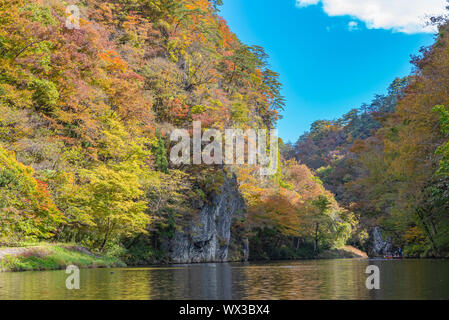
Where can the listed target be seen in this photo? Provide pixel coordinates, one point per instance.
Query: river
(292, 280)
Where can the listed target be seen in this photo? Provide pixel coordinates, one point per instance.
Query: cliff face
(216, 235)
(378, 246)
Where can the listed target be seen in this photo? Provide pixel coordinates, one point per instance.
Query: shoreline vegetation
(41, 257)
(44, 257)
(86, 118)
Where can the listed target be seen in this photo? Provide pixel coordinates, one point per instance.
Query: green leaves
(160, 153)
(45, 95)
(444, 116)
(39, 13)
(444, 149)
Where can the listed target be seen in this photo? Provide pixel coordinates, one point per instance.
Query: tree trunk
(106, 236)
(315, 245)
(104, 241)
(434, 229)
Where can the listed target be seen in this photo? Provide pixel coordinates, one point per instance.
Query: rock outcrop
(216, 235)
(378, 246)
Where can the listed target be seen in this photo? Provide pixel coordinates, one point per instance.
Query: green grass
(55, 257)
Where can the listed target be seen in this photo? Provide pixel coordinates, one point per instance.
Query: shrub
(45, 95)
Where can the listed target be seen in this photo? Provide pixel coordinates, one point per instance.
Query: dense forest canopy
(85, 119)
(387, 161)
(86, 115)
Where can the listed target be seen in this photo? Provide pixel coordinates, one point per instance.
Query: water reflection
(327, 279)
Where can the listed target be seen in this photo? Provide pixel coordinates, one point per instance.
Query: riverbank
(347, 252)
(52, 257)
(59, 256)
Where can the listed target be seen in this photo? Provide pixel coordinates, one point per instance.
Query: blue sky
(329, 63)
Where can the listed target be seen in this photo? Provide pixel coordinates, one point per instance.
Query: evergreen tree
(161, 154)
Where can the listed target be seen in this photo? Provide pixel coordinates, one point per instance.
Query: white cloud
(408, 16)
(353, 26)
(305, 3)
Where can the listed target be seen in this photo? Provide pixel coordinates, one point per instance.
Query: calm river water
(319, 279)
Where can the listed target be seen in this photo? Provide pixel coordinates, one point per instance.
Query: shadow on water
(293, 280)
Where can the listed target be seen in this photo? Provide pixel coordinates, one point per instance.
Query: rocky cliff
(216, 235)
(378, 246)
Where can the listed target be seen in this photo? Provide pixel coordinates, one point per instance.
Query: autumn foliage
(90, 110)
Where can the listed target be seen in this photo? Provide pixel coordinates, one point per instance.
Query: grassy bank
(52, 257)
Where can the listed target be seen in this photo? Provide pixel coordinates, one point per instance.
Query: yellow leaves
(414, 235)
(114, 199)
(239, 113)
(198, 109)
(256, 79)
(8, 161)
(202, 5)
(26, 208)
(14, 111)
(10, 95)
(116, 143)
(103, 117)
(83, 22)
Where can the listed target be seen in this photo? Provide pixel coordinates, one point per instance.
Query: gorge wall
(217, 234)
(378, 246)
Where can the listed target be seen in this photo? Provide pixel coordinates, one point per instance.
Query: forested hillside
(388, 161)
(85, 119)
